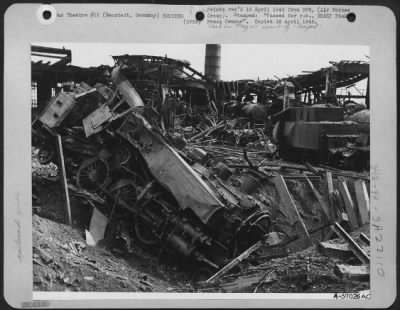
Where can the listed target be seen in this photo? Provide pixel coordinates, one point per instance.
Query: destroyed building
(208, 173)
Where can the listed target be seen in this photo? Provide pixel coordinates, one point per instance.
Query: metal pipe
(126, 89)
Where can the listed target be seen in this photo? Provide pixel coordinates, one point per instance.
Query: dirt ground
(57, 267)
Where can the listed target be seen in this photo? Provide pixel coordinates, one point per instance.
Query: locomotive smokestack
(212, 65)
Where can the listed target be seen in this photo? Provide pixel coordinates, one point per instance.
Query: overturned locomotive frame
(194, 222)
(170, 204)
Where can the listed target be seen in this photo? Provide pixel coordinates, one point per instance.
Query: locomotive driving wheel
(92, 174)
(146, 221)
(127, 190)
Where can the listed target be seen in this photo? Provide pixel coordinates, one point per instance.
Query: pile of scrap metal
(174, 94)
(310, 121)
(116, 144)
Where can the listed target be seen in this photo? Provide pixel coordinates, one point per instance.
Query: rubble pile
(307, 271)
(63, 261)
(197, 172)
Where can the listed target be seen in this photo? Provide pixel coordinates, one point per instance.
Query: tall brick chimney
(212, 65)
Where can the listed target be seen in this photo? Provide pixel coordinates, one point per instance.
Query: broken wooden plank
(235, 261)
(329, 187)
(64, 183)
(321, 200)
(329, 193)
(207, 131)
(355, 273)
(344, 173)
(267, 278)
(298, 176)
(362, 201)
(270, 241)
(349, 204)
(338, 250)
(290, 210)
(312, 169)
(355, 248)
(286, 199)
(275, 253)
(338, 207)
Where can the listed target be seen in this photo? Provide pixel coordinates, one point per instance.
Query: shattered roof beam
(51, 52)
(166, 60)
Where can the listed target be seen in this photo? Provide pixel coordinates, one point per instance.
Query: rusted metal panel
(302, 135)
(97, 118)
(312, 114)
(310, 135)
(57, 110)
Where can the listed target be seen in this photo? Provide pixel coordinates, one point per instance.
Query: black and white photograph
(200, 156)
(200, 168)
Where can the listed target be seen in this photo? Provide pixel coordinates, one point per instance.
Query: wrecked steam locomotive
(113, 150)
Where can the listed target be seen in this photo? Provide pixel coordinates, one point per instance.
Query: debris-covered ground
(313, 270)
(63, 261)
(153, 177)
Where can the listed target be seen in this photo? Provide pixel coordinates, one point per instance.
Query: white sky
(238, 61)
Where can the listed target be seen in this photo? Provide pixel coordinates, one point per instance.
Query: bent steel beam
(126, 89)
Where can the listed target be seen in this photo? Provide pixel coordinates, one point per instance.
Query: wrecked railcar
(316, 123)
(305, 115)
(320, 135)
